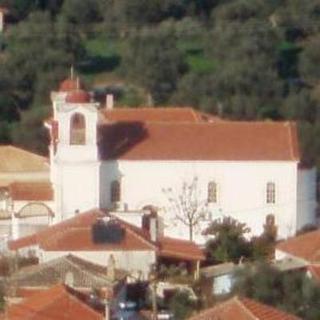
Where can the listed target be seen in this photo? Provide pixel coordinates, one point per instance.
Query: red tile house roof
(175, 248)
(159, 114)
(242, 309)
(75, 234)
(56, 303)
(31, 191)
(305, 246)
(221, 140)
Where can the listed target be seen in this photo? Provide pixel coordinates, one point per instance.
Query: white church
(124, 159)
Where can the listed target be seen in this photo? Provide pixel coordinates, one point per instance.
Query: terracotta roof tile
(174, 248)
(13, 159)
(56, 303)
(305, 246)
(31, 191)
(242, 309)
(70, 85)
(225, 140)
(159, 114)
(75, 234)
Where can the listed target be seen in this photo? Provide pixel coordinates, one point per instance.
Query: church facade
(129, 159)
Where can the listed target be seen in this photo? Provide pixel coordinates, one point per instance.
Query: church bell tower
(73, 150)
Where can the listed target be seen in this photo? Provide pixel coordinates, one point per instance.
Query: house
(57, 303)
(71, 270)
(123, 159)
(217, 279)
(241, 308)
(305, 247)
(97, 236)
(304, 251)
(26, 194)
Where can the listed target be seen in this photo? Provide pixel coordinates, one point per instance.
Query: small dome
(78, 96)
(70, 85)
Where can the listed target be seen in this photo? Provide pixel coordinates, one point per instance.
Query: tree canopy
(240, 59)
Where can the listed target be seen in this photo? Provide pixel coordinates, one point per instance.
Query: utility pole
(153, 277)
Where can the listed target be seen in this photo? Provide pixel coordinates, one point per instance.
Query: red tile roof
(242, 309)
(56, 303)
(224, 140)
(181, 249)
(159, 114)
(31, 191)
(78, 96)
(70, 85)
(305, 246)
(75, 234)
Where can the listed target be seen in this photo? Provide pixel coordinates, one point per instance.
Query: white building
(125, 158)
(26, 195)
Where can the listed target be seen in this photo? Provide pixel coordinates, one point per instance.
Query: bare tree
(188, 206)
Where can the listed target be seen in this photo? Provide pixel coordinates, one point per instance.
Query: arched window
(270, 228)
(77, 129)
(212, 192)
(270, 220)
(271, 192)
(115, 191)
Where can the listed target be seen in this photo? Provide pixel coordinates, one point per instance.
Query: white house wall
(241, 189)
(306, 197)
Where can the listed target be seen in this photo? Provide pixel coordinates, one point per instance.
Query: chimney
(109, 101)
(153, 228)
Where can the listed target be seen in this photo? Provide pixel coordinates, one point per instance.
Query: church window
(77, 129)
(271, 192)
(270, 228)
(115, 191)
(270, 220)
(212, 192)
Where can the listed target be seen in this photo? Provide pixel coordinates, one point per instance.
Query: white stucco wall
(75, 168)
(306, 197)
(14, 227)
(222, 284)
(76, 188)
(241, 190)
(136, 262)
